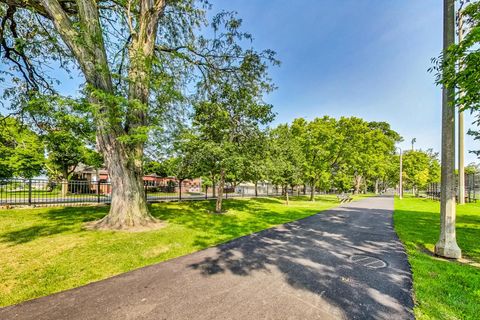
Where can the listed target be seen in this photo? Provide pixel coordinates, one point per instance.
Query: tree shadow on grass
(53, 221)
(195, 215)
(446, 288)
(423, 228)
(31, 233)
(243, 217)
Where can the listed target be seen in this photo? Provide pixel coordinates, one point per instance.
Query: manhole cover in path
(368, 261)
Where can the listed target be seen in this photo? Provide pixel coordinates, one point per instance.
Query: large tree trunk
(221, 187)
(123, 159)
(180, 189)
(129, 206)
(358, 184)
(286, 195)
(312, 190)
(376, 186)
(256, 188)
(64, 189)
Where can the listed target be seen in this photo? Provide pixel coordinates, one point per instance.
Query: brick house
(100, 177)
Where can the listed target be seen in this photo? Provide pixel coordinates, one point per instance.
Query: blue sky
(366, 58)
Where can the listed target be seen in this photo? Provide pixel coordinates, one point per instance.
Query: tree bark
(64, 191)
(129, 205)
(286, 195)
(358, 184)
(124, 160)
(256, 188)
(376, 186)
(180, 189)
(64, 182)
(83, 35)
(218, 204)
(312, 190)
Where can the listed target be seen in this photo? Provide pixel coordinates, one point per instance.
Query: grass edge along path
(47, 250)
(443, 289)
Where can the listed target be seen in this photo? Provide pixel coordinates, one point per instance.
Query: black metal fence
(43, 192)
(472, 188)
(46, 192)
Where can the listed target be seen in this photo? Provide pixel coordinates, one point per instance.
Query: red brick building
(152, 181)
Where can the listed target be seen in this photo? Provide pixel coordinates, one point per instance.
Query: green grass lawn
(46, 250)
(443, 289)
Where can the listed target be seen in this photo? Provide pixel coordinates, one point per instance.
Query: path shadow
(314, 254)
(54, 221)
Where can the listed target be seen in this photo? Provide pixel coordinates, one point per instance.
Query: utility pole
(461, 129)
(400, 183)
(447, 244)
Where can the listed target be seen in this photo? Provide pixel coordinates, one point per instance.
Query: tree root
(143, 224)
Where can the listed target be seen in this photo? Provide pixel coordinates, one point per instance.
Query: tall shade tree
(286, 158)
(135, 57)
(230, 111)
(255, 164)
(21, 151)
(420, 168)
(384, 140)
(356, 152)
(319, 141)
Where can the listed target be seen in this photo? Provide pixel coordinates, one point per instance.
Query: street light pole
(447, 244)
(401, 174)
(461, 130)
(400, 182)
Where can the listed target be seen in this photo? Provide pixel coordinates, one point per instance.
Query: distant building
(152, 181)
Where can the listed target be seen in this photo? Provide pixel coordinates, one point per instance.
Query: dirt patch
(93, 226)
(463, 260)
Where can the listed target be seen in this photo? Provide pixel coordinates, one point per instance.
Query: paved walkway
(345, 263)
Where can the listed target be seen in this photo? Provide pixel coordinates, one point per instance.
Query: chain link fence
(472, 188)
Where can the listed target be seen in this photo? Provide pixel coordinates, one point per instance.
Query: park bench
(344, 198)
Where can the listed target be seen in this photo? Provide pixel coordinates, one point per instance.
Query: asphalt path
(344, 263)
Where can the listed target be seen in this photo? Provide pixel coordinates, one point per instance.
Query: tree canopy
(139, 60)
(21, 151)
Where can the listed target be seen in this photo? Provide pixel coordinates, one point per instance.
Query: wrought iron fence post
(30, 192)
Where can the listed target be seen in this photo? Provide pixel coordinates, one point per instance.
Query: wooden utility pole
(447, 244)
(461, 129)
